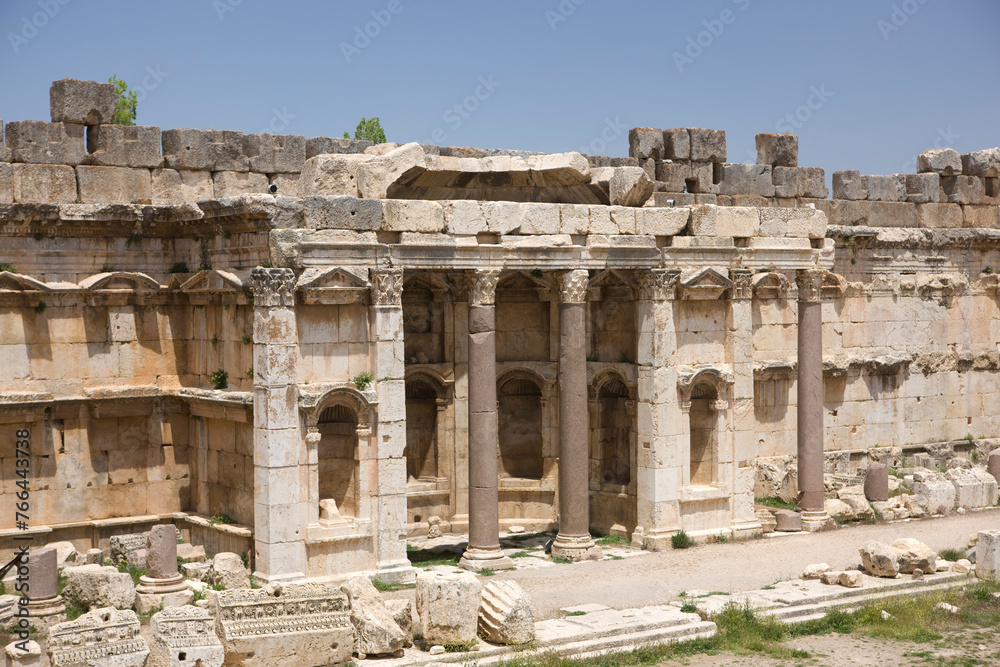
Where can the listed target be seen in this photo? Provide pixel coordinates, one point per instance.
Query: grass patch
(577, 613)
(613, 541)
(681, 540)
(773, 501)
(386, 587)
(220, 517)
(688, 608)
(520, 554)
(951, 555)
(133, 571)
(429, 558)
(462, 647)
(562, 560)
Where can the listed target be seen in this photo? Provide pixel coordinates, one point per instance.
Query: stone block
(940, 216)
(785, 181)
(191, 553)
(275, 153)
(375, 630)
(974, 487)
(746, 179)
(335, 145)
(43, 573)
(962, 189)
(880, 559)
(6, 183)
(505, 616)
(287, 184)
(677, 144)
(410, 215)
(661, 221)
(104, 637)
(402, 613)
(778, 150)
(161, 551)
(886, 188)
(137, 559)
(629, 186)
(83, 102)
(671, 176)
(212, 150)
(38, 142)
(812, 183)
(914, 555)
(94, 557)
(849, 185)
(877, 482)
(23, 654)
(4, 150)
(43, 184)
(201, 571)
(937, 490)
(984, 163)
(993, 464)
(702, 179)
(179, 186)
(125, 146)
(985, 217)
(184, 636)
(792, 223)
(813, 571)
(645, 143)
(788, 521)
(707, 145)
(331, 175)
(891, 214)
(228, 570)
(448, 607)
(851, 579)
(304, 625)
(923, 188)
(988, 555)
(114, 185)
(539, 218)
(377, 175)
(94, 586)
(943, 161)
(121, 545)
(236, 183)
(735, 221)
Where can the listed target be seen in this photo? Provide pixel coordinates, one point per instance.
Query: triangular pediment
(330, 279)
(610, 278)
(707, 277)
(521, 280)
(121, 281)
(214, 280)
(15, 282)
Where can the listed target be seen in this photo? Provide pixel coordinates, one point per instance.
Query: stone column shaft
(484, 514)
(574, 541)
(810, 398)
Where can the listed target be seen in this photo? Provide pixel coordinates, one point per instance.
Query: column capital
(482, 286)
(273, 288)
(810, 283)
(573, 286)
(387, 287)
(657, 284)
(742, 283)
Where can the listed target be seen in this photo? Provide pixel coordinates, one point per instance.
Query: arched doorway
(704, 433)
(520, 428)
(337, 461)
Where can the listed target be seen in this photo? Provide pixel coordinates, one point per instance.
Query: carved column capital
(483, 286)
(573, 286)
(810, 283)
(657, 284)
(742, 283)
(273, 288)
(387, 287)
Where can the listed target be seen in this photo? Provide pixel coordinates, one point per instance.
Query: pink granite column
(574, 541)
(810, 399)
(484, 518)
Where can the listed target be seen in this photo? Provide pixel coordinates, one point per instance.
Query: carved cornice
(657, 284)
(387, 287)
(573, 286)
(483, 287)
(273, 288)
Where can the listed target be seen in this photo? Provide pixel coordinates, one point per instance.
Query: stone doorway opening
(704, 419)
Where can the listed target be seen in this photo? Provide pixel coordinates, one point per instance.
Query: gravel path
(657, 578)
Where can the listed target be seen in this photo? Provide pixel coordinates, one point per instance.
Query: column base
(397, 573)
(657, 540)
(43, 614)
(746, 528)
(813, 521)
(153, 586)
(481, 559)
(576, 548)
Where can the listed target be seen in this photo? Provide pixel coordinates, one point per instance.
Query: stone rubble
(375, 630)
(229, 571)
(94, 586)
(103, 637)
(183, 636)
(448, 607)
(505, 616)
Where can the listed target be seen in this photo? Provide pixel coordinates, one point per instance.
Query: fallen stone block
(950, 608)
(961, 566)
(913, 555)
(229, 571)
(778, 150)
(505, 616)
(943, 161)
(815, 570)
(184, 636)
(94, 586)
(136, 559)
(66, 554)
(851, 579)
(38, 142)
(448, 607)
(629, 186)
(82, 102)
(296, 625)
(198, 571)
(402, 613)
(879, 559)
(94, 557)
(988, 555)
(838, 509)
(767, 521)
(375, 630)
(788, 521)
(974, 487)
(104, 637)
(23, 654)
(126, 146)
(937, 490)
(993, 464)
(850, 185)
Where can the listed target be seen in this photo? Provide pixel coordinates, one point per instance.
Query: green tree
(369, 129)
(127, 102)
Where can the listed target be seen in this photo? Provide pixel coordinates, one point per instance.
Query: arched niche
(520, 418)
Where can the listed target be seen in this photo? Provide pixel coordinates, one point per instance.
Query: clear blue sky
(872, 82)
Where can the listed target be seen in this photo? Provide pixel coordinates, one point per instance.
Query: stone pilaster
(388, 489)
(484, 521)
(744, 521)
(810, 399)
(659, 417)
(574, 541)
(280, 488)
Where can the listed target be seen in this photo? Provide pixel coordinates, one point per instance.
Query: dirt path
(657, 578)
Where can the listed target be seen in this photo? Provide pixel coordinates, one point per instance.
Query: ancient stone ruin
(301, 351)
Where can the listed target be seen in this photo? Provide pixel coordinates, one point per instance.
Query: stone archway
(337, 459)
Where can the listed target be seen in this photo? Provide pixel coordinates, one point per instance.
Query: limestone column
(388, 488)
(484, 520)
(45, 606)
(280, 480)
(659, 420)
(810, 399)
(573, 540)
(744, 522)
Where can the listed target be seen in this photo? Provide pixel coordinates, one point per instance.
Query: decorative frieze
(657, 284)
(184, 635)
(102, 637)
(387, 287)
(273, 288)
